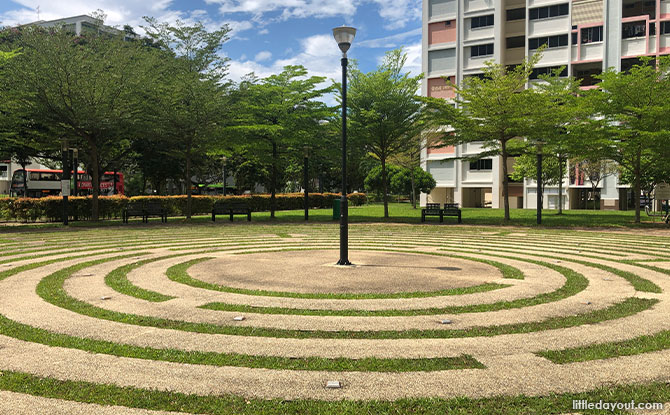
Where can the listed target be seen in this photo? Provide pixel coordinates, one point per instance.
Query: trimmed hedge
(50, 208)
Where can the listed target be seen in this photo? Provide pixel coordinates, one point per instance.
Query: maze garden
(223, 319)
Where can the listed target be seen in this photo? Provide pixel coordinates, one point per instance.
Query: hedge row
(50, 208)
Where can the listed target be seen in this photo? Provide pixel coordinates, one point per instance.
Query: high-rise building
(584, 36)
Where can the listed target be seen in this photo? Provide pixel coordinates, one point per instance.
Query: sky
(266, 34)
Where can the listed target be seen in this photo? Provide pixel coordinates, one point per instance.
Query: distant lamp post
(75, 170)
(223, 160)
(306, 181)
(345, 37)
(65, 180)
(539, 145)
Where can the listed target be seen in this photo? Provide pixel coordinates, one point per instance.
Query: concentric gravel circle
(495, 312)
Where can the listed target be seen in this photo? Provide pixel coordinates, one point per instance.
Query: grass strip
(117, 279)
(574, 283)
(51, 290)
(639, 283)
(158, 400)
(36, 335)
(638, 345)
(179, 273)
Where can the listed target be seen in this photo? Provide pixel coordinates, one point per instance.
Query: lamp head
(344, 36)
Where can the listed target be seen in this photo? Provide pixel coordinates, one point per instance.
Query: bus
(43, 183)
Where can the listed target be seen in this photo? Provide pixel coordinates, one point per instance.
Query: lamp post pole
(344, 37)
(224, 174)
(65, 180)
(306, 182)
(539, 183)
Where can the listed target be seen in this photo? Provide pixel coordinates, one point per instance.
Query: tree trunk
(411, 176)
(593, 192)
(189, 187)
(385, 188)
(503, 145)
(638, 187)
(560, 185)
(95, 179)
(25, 179)
(273, 199)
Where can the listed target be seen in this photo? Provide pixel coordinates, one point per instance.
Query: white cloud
(288, 8)
(389, 42)
(399, 12)
(413, 63)
(263, 56)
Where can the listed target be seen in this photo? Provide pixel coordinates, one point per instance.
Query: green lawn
(404, 213)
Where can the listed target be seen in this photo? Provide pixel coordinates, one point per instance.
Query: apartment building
(585, 36)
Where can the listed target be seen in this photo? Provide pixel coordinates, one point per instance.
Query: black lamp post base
(344, 263)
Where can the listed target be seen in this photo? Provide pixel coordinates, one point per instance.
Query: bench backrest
(153, 205)
(231, 204)
(432, 206)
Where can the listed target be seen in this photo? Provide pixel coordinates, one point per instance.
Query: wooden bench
(231, 207)
(452, 209)
(144, 210)
(432, 209)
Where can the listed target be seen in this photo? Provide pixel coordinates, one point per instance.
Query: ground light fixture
(345, 37)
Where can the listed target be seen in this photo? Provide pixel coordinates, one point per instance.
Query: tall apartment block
(585, 36)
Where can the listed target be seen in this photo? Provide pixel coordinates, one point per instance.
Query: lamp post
(539, 182)
(306, 181)
(65, 180)
(224, 159)
(344, 36)
(75, 168)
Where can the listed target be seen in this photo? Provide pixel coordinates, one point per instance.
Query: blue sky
(267, 34)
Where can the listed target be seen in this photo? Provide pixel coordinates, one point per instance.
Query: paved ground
(295, 271)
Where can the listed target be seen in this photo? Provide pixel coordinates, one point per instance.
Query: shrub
(51, 208)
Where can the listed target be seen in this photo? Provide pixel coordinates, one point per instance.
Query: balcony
(634, 46)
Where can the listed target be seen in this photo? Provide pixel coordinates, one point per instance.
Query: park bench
(432, 209)
(231, 207)
(145, 210)
(452, 209)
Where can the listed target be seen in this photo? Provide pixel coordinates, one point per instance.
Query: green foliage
(50, 208)
(492, 110)
(385, 111)
(275, 117)
(399, 180)
(525, 167)
(633, 127)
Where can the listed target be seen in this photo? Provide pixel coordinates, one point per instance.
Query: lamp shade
(345, 37)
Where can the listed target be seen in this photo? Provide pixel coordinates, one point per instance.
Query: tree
(555, 110)
(385, 111)
(525, 167)
(595, 170)
(190, 101)
(490, 109)
(279, 115)
(633, 123)
(412, 181)
(81, 88)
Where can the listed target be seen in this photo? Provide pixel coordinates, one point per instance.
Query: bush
(51, 208)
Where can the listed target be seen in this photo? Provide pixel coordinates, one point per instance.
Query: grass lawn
(404, 213)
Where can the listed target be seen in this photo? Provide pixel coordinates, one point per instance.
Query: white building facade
(585, 36)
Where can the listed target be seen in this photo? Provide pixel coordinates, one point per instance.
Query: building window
(4, 172)
(551, 41)
(549, 12)
(631, 30)
(548, 71)
(665, 28)
(484, 164)
(516, 42)
(574, 38)
(516, 14)
(592, 34)
(481, 50)
(481, 21)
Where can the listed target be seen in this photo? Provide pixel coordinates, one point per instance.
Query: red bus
(48, 183)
